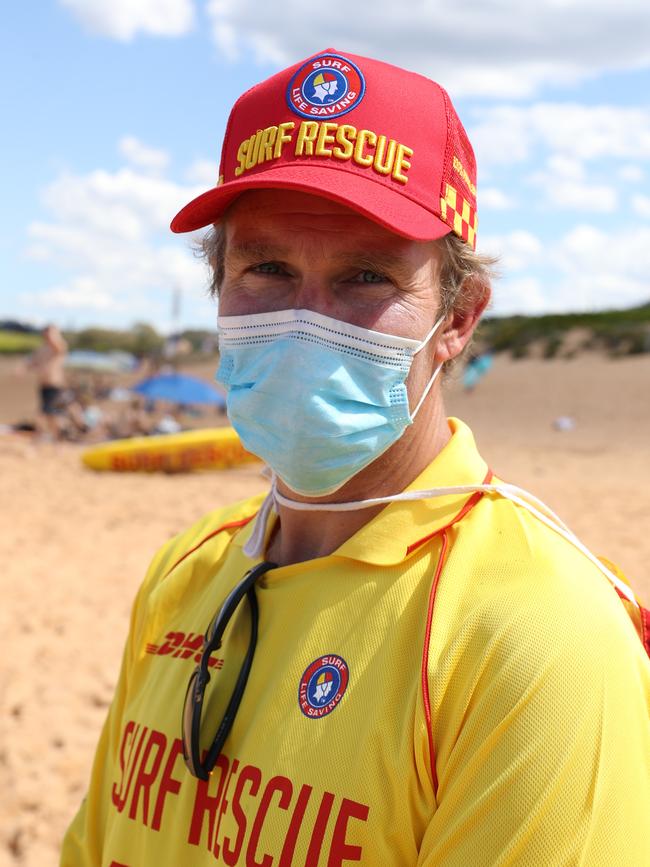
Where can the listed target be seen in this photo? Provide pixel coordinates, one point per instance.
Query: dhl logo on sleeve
(313, 138)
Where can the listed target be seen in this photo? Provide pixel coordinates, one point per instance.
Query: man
(412, 664)
(48, 364)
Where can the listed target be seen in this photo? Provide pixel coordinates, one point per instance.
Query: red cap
(383, 141)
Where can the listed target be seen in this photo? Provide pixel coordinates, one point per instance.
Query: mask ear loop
(427, 390)
(435, 372)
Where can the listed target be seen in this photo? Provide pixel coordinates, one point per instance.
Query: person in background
(48, 364)
(86, 419)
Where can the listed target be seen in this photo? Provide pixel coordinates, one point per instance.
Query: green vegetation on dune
(616, 332)
(18, 343)
(140, 340)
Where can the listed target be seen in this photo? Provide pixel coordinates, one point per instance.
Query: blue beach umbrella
(179, 388)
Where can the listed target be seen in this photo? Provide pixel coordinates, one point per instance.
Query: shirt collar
(390, 536)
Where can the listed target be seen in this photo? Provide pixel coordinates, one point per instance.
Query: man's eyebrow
(376, 260)
(257, 250)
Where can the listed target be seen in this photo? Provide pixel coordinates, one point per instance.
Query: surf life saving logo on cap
(326, 86)
(323, 685)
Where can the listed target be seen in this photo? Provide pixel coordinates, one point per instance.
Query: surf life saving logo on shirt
(323, 685)
(326, 86)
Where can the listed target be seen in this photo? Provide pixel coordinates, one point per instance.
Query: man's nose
(314, 292)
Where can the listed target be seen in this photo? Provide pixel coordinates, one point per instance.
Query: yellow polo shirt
(455, 685)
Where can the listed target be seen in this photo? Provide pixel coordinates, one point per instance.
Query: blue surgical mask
(316, 398)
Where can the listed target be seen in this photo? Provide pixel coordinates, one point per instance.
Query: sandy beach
(75, 545)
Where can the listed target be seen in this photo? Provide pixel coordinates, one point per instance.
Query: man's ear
(460, 324)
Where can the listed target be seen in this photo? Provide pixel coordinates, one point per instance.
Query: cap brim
(391, 209)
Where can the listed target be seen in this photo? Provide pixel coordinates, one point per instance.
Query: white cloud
(495, 199)
(565, 168)
(508, 134)
(523, 296)
(581, 197)
(226, 38)
(203, 172)
(489, 49)
(125, 204)
(641, 206)
(141, 155)
(517, 251)
(586, 269)
(632, 174)
(564, 185)
(612, 251)
(80, 293)
(590, 132)
(109, 232)
(601, 270)
(124, 19)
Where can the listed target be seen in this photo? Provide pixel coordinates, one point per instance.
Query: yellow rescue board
(207, 449)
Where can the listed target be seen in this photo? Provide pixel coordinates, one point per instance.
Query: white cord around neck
(254, 547)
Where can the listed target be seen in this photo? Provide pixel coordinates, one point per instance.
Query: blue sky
(114, 112)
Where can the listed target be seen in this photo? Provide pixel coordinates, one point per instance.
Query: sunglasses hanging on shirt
(197, 765)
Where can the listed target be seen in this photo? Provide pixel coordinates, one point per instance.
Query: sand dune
(75, 546)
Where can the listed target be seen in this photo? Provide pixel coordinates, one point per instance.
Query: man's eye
(370, 277)
(267, 268)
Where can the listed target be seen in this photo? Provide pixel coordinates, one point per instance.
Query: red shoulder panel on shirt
(425, 660)
(645, 628)
(231, 525)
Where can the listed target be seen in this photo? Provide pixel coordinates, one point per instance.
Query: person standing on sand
(48, 363)
(406, 660)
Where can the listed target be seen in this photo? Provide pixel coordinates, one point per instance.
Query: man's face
(288, 249)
